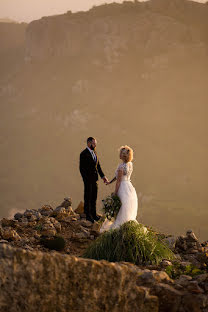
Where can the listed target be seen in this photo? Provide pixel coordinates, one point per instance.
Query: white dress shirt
(92, 153)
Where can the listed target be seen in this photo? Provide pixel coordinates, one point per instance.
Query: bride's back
(127, 169)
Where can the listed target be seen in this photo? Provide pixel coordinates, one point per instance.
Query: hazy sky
(27, 10)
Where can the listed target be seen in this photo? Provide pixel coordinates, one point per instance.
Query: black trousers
(90, 198)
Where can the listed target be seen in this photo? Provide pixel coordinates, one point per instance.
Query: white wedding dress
(128, 197)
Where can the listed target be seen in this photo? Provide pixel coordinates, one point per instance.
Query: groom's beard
(92, 148)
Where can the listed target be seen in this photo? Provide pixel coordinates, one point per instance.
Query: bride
(125, 190)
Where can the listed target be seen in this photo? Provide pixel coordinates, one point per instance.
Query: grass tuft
(129, 243)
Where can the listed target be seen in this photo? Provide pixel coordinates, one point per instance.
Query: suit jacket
(89, 169)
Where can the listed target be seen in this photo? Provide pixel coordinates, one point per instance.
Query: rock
(192, 258)
(188, 244)
(7, 222)
(48, 229)
(77, 216)
(70, 211)
(96, 227)
(28, 213)
(194, 303)
(165, 263)
(68, 251)
(73, 219)
(78, 277)
(23, 221)
(183, 280)
(191, 236)
(194, 288)
(18, 216)
(69, 219)
(37, 236)
(192, 251)
(67, 202)
(86, 223)
(32, 218)
(178, 257)
(202, 278)
(170, 241)
(61, 213)
(185, 263)
(3, 241)
(46, 210)
(147, 277)
(205, 244)
(60, 209)
(169, 298)
(10, 234)
(82, 215)
(27, 247)
(181, 243)
(80, 235)
(80, 208)
(85, 232)
(57, 226)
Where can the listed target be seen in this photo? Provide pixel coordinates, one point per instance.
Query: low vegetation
(131, 242)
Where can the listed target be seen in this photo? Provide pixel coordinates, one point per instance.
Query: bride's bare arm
(114, 179)
(118, 182)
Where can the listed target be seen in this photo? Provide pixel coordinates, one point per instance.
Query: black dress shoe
(88, 218)
(96, 218)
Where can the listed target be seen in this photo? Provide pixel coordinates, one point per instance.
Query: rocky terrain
(56, 278)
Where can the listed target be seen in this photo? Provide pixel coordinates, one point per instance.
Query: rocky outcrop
(37, 281)
(31, 229)
(108, 32)
(35, 277)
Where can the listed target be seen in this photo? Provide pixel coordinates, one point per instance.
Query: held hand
(105, 180)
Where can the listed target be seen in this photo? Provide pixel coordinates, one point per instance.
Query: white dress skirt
(128, 197)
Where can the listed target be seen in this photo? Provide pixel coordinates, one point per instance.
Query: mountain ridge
(138, 79)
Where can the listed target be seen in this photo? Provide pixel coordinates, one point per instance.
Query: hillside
(131, 73)
(12, 49)
(41, 249)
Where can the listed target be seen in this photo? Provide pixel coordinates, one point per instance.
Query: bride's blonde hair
(127, 153)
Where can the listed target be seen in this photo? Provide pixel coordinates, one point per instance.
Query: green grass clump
(129, 243)
(54, 243)
(175, 270)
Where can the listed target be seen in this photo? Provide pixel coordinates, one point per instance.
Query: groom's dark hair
(90, 139)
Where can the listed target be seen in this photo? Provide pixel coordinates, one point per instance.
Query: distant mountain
(12, 48)
(132, 73)
(7, 20)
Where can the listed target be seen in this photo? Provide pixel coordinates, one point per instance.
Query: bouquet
(111, 206)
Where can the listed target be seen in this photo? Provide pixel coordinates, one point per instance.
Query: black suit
(89, 169)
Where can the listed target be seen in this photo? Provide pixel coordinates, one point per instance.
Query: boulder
(18, 216)
(46, 210)
(170, 298)
(86, 223)
(80, 208)
(7, 222)
(67, 202)
(10, 234)
(28, 285)
(61, 213)
(48, 229)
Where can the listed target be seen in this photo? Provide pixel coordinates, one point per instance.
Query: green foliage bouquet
(111, 206)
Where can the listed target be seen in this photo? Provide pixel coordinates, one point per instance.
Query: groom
(89, 167)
